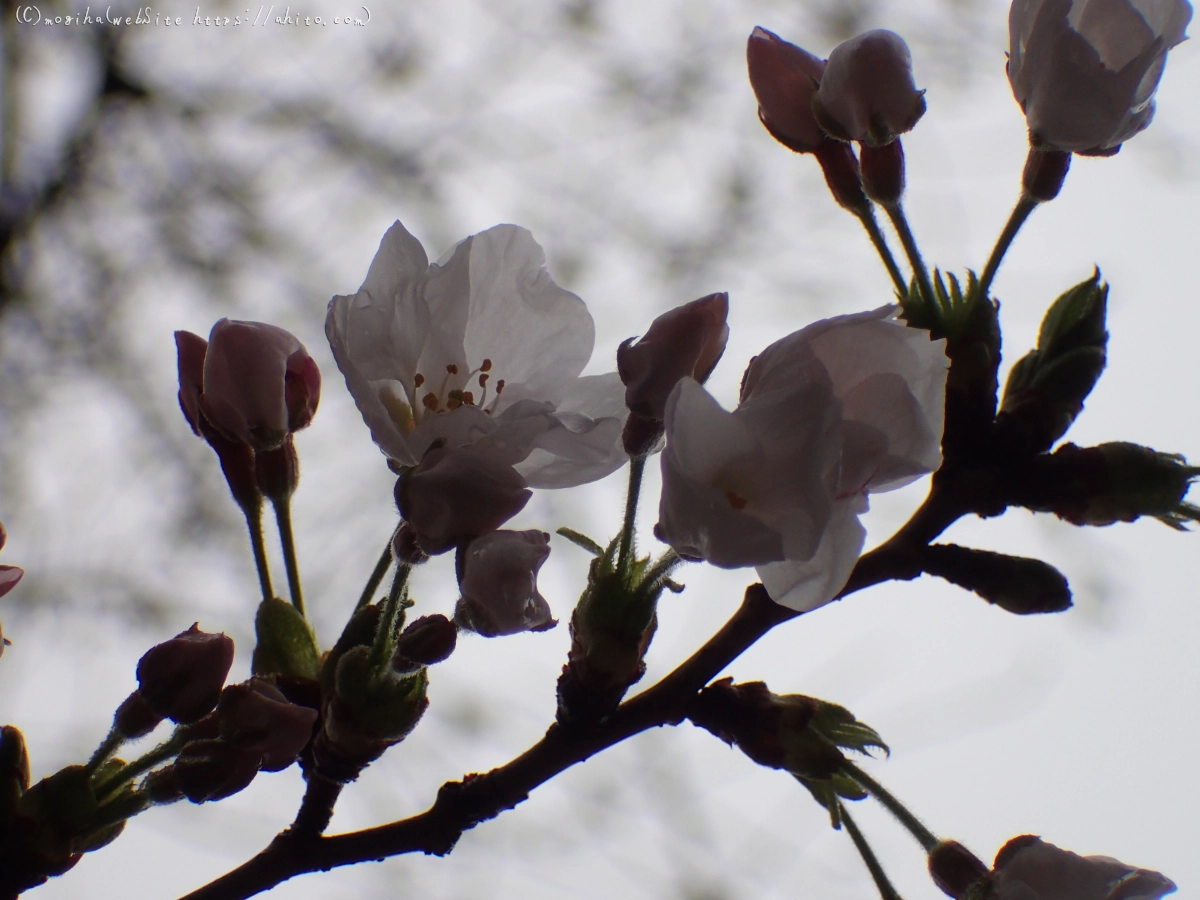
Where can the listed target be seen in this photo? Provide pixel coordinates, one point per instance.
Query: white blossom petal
(804, 585)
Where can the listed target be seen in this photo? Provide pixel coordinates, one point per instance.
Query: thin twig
(283, 518)
(886, 891)
(1025, 205)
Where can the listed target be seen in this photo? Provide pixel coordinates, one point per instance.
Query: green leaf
(287, 644)
(581, 540)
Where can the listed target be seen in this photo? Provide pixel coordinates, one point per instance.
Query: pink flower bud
(9, 575)
(260, 384)
(867, 91)
(1028, 868)
(237, 459)
(457, 494)
(1085, 73)
(135, 717)
(686, 341)
(499, 584)
(954, 868)
(255, 715)
(784, 78)
(428, 640)
(181, 679)
(212, 770)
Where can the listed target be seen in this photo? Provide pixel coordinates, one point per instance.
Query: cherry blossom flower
(839, 409)
(1085, 72)
(1028, 868)
(867, 91)
(480, 349)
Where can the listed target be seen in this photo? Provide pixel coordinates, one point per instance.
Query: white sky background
(627, 142)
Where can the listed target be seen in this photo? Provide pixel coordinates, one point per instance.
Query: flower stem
(381, 567)
(886, 891)
(1025, 205)
(637, 466)
(254, 523)
(871, 224)
(900, 222)
(283, 517)
(106, 749)
(923, 835)
(391, 620)
(161, 753)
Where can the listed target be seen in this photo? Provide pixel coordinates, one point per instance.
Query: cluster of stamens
(456, 397)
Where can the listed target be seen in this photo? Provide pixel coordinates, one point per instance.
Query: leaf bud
(1047, 387)
(1014, 583)
(287, 644)
(1142, 482)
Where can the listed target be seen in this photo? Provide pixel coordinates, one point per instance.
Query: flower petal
(804, 585)
(9, 576)
(581, 442)
(376, 336)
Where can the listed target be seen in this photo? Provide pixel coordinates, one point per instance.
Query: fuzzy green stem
(381, 567)
(283, 518)
(869, 222)
(161, 753)
(924, 836)
(391, 620)
(662, 567)
(106, 749)
(900, 222)
(254, 523)
(120, 808)
(1020, 213)
(886, 891)
(637, 466)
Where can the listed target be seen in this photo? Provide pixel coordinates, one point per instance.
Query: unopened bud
(1142, 482)
(405, 547)
(498, 581)
(255, 715)
(182, 678)
(1014, 583)
(685, 342)
(135, 717)
(259, 385)
(772, 730)
(785, 78)
(212, 770)
(426, 641)
(954, 868)
(867, 92)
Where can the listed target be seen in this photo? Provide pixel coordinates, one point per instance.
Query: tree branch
(461, 805)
